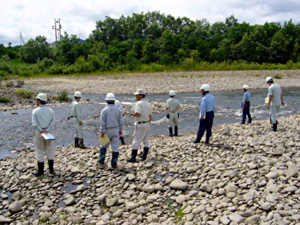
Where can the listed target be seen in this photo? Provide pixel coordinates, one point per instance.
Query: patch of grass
(179, 215)
(278, 76)
(257, 75)
(4, 99)
(63, 97)
(184, 76)
(24, 93)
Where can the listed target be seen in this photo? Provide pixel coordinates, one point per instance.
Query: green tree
(35, 49)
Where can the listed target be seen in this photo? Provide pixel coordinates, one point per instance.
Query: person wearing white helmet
(246, 105)
(173, 106)
(275, 100)
(43, 121)
(76, 115)
(207, 108)
(119, 105)
(143, 114)
(111, 123)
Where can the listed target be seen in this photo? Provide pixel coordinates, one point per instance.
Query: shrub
(24, 93)
(4, 99)
(63, 97)
(188, 64)
(278, 76)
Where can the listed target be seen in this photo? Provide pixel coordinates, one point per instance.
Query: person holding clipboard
(43, 121)
(111, 125)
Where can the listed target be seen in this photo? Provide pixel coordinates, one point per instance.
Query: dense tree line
(153, 38)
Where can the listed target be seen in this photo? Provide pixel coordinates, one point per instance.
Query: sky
(36, 17)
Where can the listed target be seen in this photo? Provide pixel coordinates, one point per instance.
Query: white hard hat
(172, 93)
(110, 97)
(140, 92)
(42, 97)
(205, 87)
(269, 79)
(77, 94)
(246, 87)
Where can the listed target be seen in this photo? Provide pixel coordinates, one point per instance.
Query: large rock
(4, 220)
(236, 217)
(70, 200)
(178, 184)
(16, 206)
(111, 202)
(206, 187)
(252, 220)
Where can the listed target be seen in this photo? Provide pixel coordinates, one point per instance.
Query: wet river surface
(17, 132)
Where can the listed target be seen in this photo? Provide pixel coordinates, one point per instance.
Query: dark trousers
(206, 124)
(246, 112)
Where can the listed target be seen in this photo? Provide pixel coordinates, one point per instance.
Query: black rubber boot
(51, 166)
(243, 122)
(145, 153)
(40, 171)
(196, 141)
(133, 156)
(207, 141)
(76, 142)
(275, 127)
(102, 156)
(80, 142)
(114, 159)
(176, 131)
(170, 131)
(122, 140)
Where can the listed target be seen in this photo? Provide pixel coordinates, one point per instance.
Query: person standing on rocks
(111, 123)
(43, 121)
(76, 115)
(142, 131)
(207, 107)
(274, 100)
(246, 105)
(173, 106)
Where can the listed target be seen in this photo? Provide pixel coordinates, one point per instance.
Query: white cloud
(36, 17)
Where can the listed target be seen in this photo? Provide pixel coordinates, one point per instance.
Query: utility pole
(21, 40)
(57, 30)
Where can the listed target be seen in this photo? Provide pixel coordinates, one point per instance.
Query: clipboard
(266, 100)
(104, 140)
(48, 136)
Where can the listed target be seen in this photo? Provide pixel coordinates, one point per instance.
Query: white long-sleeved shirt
(76, 110)
(43, 118)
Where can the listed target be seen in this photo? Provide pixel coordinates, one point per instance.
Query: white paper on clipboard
(48, 136)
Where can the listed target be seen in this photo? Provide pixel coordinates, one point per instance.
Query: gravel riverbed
(247, 175)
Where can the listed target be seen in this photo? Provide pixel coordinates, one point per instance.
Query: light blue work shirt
(247, 96)
(207, 104)
(43, 118)
(111, 117)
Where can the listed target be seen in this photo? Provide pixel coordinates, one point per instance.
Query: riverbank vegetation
(154, 42)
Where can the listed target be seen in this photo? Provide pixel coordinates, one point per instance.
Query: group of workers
(111, 122)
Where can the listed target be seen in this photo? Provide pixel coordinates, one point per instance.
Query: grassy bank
(15, 69)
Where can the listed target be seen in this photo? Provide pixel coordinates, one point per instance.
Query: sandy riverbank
(163, 82)
(247, 175)
(151, 82)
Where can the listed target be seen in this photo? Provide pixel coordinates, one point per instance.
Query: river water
(17, 132)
